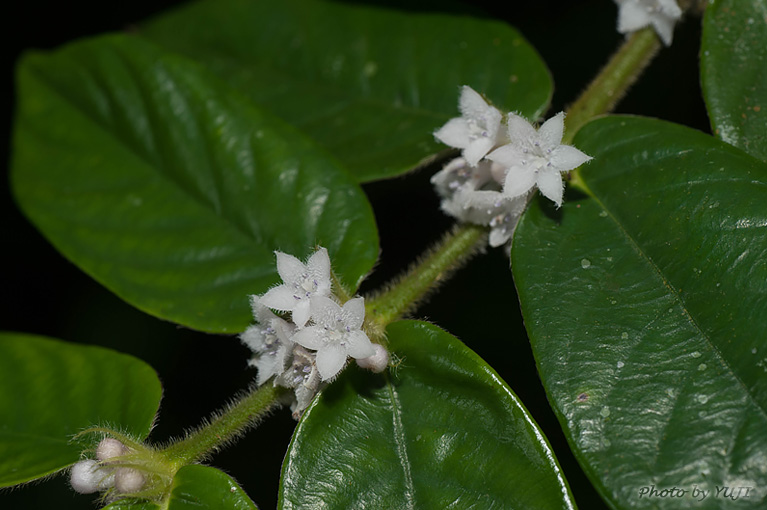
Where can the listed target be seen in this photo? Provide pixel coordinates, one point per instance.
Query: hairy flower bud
(88, 477)
(128, 480)
(377, 362)
(109, 448)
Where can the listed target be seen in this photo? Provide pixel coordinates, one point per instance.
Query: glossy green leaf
(645, 305)
(442, 431)
(169, 188)
(51, 390)
(197, 487)
(370, 82)
(734, 71)
(130, 504)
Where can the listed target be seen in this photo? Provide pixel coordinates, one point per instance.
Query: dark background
(42, 293)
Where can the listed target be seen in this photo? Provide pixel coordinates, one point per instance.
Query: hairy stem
(432, 268)
(610, 85)
(225, 426)
(613, 81)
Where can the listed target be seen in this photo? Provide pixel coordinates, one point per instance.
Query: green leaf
(51, 390)
(203, 487)
(169, 188)
(197, 487)
(734, 71)
(443, 431)
(645, 305)
(131, 504)
(371, 83)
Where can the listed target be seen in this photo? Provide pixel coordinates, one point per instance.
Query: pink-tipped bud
(88, 477)
(377, 362)
(109, 448)
(128, 480)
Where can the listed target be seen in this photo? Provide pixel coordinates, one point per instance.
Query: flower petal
(358, 345)
(519, 180)
(670, 8)
(283, 329)
(520, 130)
(632, 16)
(567, 157)
(455, 133)
(499, 236)
(318, 267)
(330, 360)
(301, 312)
(279, 298)
(253, 338)
(477, 150)
(261, 312)
(324, 311)
(551, 185)
(508, 155)
(354, 313)
(310, 337)
(269, 365)
(289, 268)
(472, 104)
(550, 133)
(664, 27)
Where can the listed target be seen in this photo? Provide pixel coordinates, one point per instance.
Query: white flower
(493, 209)
(301, 282)
(269, 340)
(302, 377)
(336, 334)
(476, 131)
(457, 175)
(537, 158)
(662, 15)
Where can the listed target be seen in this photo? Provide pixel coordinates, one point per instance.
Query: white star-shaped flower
(662, 15)
(493, 209)
(476, 131)
(302, 377)
(336, 334)
(269, 340)
(301, 282)
(537, 158)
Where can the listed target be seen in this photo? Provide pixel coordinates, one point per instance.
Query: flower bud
(128, 480)
(109, 448)
(88, 477)
(377, 362)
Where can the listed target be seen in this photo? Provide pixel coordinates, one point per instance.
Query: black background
(42, 293)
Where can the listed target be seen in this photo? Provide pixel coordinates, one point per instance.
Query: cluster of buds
(499, 168)
(107, 472)
(313, 346)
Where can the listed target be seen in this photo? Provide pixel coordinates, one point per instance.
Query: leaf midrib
(398, 437)
(157, 171)
(679, 299)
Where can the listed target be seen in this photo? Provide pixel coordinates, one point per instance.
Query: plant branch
(613, 81)
(225, 426)
(432, 268)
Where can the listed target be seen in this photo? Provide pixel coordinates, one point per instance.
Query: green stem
(225, 426)
(433, 268)
(613, 81)
(600, 97)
